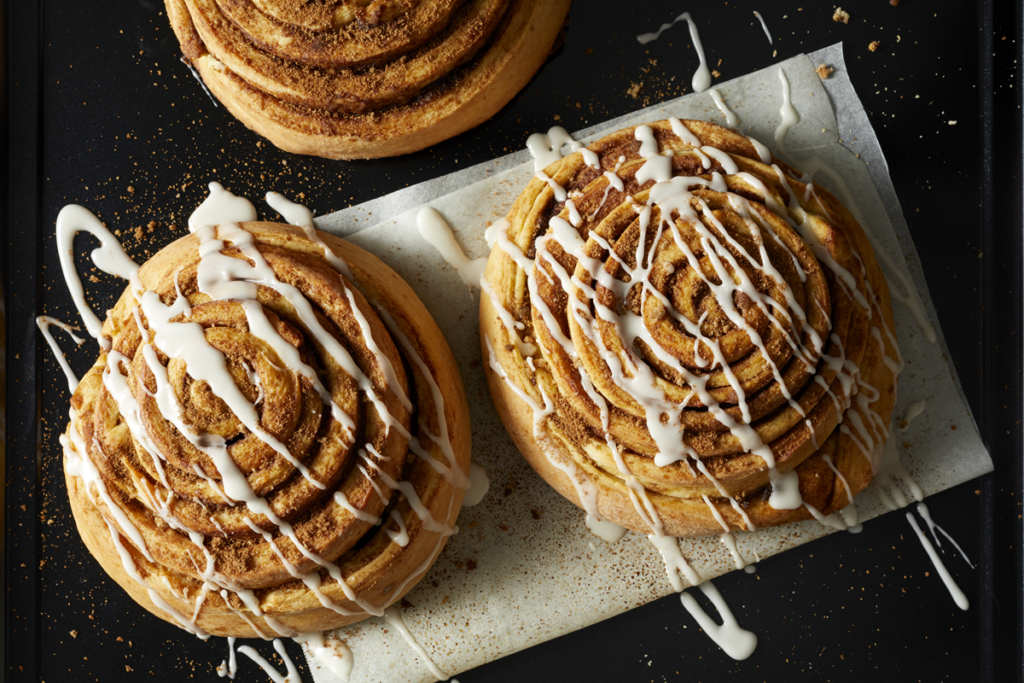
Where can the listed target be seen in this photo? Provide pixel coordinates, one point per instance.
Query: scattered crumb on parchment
(824, 71)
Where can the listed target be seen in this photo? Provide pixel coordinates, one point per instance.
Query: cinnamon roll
(275, 440)
(349, 79)
(685, 335)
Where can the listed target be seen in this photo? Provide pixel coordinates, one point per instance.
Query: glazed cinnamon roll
(685, 336)
(351, 79)
(275, 439)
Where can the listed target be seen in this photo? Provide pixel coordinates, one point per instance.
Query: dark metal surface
(102, 113)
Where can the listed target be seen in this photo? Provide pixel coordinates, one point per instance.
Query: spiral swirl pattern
(279, 457)
(681, 330)
(361, 78)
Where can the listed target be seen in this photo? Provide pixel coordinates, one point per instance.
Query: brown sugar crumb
(841, 15)
(131, 190)
(93, 278)
(824, 71)
(151, 226)
(634, 89)
(140, 234)
(74, 634)
(873, 45)
(716, 73)
(894, 3)
(172, 227)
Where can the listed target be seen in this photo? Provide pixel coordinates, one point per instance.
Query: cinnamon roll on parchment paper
(275, 438)
(683, 337)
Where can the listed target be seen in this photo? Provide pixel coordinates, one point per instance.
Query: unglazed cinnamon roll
(351, 79)
(275, 440)
(684, 337)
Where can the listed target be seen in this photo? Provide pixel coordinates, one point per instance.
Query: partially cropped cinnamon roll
(685, 337)
(276, 440)
(350, 79)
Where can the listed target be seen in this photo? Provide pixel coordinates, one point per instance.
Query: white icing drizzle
(731, 120)
(764, 26)
(479, 483)
(435, 230)
(702, 77)
(220, 206)
(394, 618)
(790, 117)
(291, 673)
(187, 341)
(400, 537)
(547, 149)
(675, 564)
(108, 257)
(511, 325)
(342, 500)
(958, 595)
(332, 654)
(605, 530)
(133, 571)
(922, 510)
(43, 322)
(728, 538)
(453, 471)
(734, 640)
(913, 410)
(300, 216)
(230, 666)
(406, 488)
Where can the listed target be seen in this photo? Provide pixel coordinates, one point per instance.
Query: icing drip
(605, 530)
(108, 257)
(764, 26)
(230, 666)
(479, 483)
(292, 674)
(394, 618)
(434, 229)
(702, 77)
(790, 117)
(220, 206)
(913, 410)
(43, 322)
(922, 510)
(958, 595)
(731, 120)
(333, 654)
(547, 149)
(734, 640)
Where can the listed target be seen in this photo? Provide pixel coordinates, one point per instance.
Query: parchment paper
(523, 568)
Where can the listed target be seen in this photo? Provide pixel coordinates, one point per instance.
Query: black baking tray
(100, 111)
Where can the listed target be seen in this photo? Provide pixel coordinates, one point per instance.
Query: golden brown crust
(376, 570)
(813, 382)
(431, 78)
